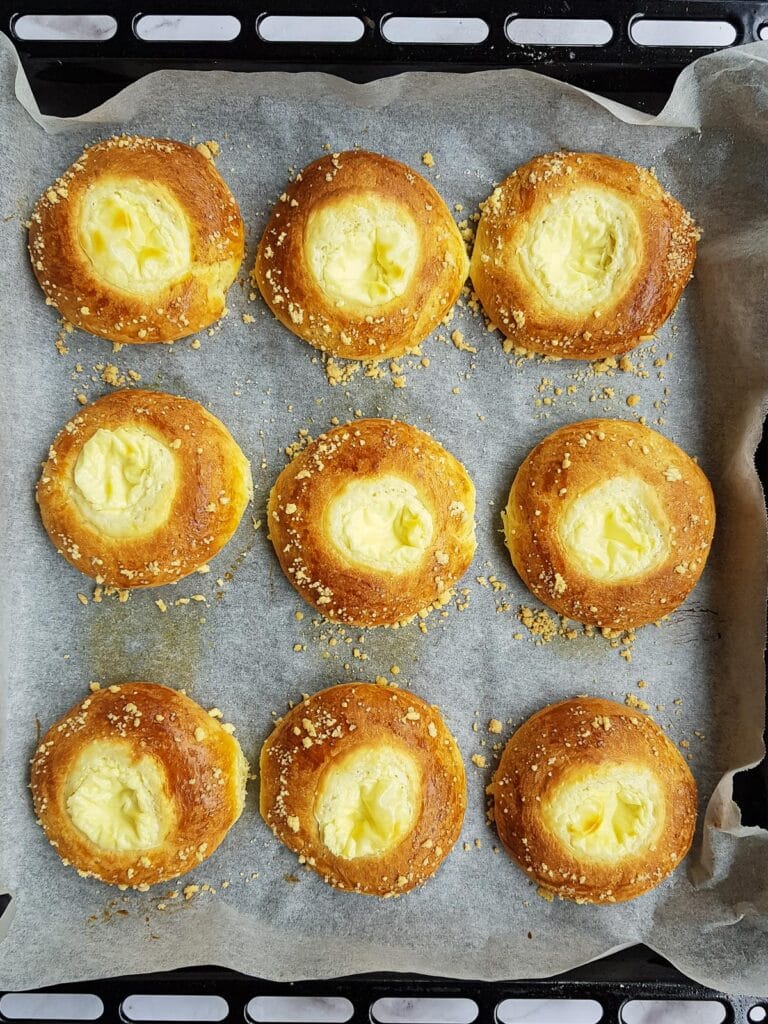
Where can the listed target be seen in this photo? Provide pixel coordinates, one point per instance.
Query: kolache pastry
(581, 255)
(138, 241)
(373, 522)
(609, 523)
(361, 257)
(594, 801)
(142, 488)
(137, 784)
(366, 784)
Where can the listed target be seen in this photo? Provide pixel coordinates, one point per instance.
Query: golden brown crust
(330, 724)
(205, 774)
(213, 218)
(576, 458)
(351, 593)
(212, 492)
(360, 332)
(662, 266)
(577, 736)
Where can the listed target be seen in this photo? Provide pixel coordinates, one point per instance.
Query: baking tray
(70, 77)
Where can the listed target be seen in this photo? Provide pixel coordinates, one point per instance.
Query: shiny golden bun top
(137, 784)
(609, 523)
(581, 255)
(594, 801)
(141, 488)
(366, 784)
(373, 522)
(361, 257)
(138, 241)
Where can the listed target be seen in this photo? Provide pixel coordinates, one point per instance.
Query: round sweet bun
(609, 523)
(137, 784)
(373, 522)
(138, 241)
(361, 257)
(366, 784)
(581, 255)
(594, 801)
(142, 488)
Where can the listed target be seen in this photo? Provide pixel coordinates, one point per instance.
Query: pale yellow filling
(117, 802)
(380, 523)
(362, 250)
(608, 813)
(581, 249)
(367, 801)
(135, 235)
(124, 482)
(615, 531)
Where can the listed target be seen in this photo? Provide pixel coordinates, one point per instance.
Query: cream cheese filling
(581, 249)
(135, 235)
(117, 801)
(615, 531)
(124, 481)
(380, 523)
(608, 813)
(362, 250)
(367, 801)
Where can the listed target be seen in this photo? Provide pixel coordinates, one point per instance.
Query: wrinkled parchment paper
(480, 917)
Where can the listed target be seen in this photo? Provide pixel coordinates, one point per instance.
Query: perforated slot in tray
(627, 49)
(631, 987)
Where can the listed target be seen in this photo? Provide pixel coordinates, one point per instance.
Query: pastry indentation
(615, 531)
(606, 813)
(115, 800)
(124, 481)
(380, 523)
(134, 234)
(581, 249)
(367, 801)
(363, 250)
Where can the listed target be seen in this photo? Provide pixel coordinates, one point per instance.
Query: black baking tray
(70, 77)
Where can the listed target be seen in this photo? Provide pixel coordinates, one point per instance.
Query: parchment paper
(480, 916)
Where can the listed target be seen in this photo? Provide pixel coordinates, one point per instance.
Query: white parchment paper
(480, 917)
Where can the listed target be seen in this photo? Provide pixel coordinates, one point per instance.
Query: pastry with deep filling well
(373, 522)
(137, 784)
(138, 241)
(609, 523)
(594, 801)
(361, 257)
(581, 255)
(366, 784)
(141, 488)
